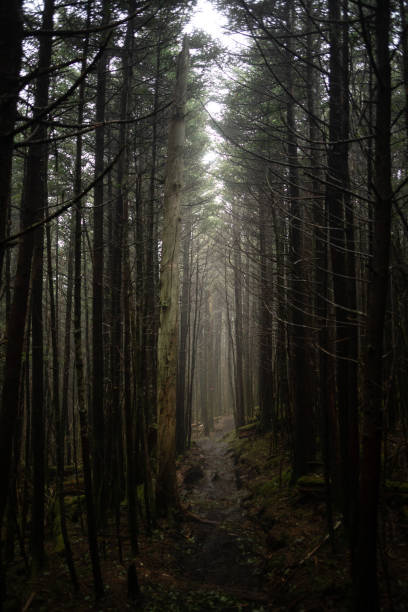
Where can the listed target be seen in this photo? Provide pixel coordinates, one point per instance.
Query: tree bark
(239, 384)
(150, 298)
(184, 330)
(124, 291)
(10, 63)
(365, 563)
(300, 370)
(36, 187)
(59, 420)
(266, 317)
(81, 392)
(79, 363)
(97, 412)
(342, 260)
(166, 493)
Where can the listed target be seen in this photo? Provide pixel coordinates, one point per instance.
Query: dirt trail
(216, 496)
(225, 554)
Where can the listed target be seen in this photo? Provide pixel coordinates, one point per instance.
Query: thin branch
(80, 33)
(10, 241)
(90, 128)
(66, 95)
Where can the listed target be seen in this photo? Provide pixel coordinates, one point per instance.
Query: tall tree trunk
(166, 493)
(120, 299)
(193, 352)
(79, 363)
(10, 63)
(38, 403)
(33, 200)
(128, 400)
(59, 420)
(342, 260)
(300, 370)
(266, 317)
(365, 562)
(404, 66)
(97, 413)
(184, 330)
(239, 384)
(203, 370)
(149, 329)
(81, 393)
(66, 372)
(36, 186)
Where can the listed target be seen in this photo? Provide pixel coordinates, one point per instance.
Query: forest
(203, 305)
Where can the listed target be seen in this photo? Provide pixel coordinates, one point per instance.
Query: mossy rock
(396, 486)
(247, 430)
(396, 492)
(311, 484)
(311, 480)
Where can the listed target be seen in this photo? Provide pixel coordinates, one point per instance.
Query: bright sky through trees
(207, 18)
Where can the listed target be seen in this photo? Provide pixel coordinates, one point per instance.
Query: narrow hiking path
(221, 548)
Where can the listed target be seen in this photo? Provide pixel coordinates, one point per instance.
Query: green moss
(397, 486)
(310, 481)
(267, 488)
(229, 437)
(248, 427)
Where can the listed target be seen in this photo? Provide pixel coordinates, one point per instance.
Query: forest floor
(246, 541)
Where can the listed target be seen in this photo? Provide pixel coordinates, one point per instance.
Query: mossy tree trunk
(167, 344)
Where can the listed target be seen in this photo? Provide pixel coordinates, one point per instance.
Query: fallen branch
(28, 602)
(316, 548)
(290, 570)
